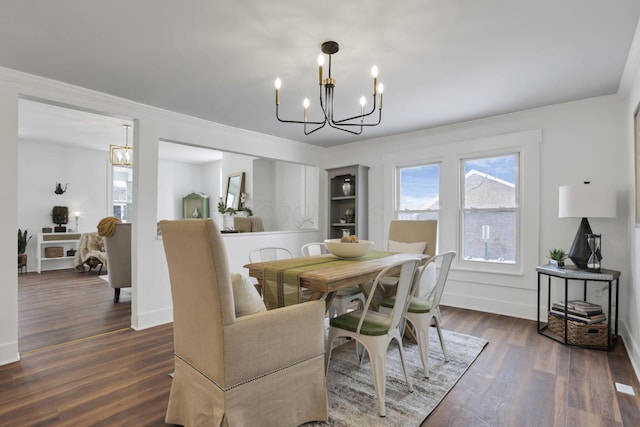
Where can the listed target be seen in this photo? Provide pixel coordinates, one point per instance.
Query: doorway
(60, 144)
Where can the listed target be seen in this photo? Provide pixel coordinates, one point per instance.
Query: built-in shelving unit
(348, 201)
(65, 240)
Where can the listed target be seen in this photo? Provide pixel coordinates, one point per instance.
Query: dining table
(322, 275)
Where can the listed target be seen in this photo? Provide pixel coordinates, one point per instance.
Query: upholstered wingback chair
(264, 368)
(118, 248)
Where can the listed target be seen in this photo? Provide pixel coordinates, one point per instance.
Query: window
(490, 208)
(418, 192)
(121, 193)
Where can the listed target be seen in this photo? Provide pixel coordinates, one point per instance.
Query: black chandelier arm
(313, 130)
(346, 130)
(360, 116)
(296, 121)
(361, 124)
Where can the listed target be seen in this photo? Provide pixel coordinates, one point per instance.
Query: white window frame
(397, 191)
(462, 210)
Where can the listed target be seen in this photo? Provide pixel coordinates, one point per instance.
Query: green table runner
(281, 282)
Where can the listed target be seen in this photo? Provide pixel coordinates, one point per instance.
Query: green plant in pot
(557, 257)
(23, 239)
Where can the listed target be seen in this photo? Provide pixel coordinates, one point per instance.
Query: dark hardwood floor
(122, 378)
(64, 305)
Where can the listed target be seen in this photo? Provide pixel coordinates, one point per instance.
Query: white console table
(65, 240)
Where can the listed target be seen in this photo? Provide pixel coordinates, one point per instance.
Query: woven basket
(595, 334)
(53, 252)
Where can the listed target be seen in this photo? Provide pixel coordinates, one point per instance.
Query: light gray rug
(352, 398)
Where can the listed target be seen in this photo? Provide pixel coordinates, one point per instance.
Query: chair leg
(421, 325)
(116, 296)
(404, 364)
(378, 357)
(436, 318)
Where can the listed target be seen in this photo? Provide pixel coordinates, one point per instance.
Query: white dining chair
(375, 330)
(424, 311)
(342, 298)
(269, 254)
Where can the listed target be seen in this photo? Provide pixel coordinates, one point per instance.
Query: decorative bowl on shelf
(348, 250)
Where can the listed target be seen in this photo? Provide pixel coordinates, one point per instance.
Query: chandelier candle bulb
(278, 85)
(320, 64)
(305, 104)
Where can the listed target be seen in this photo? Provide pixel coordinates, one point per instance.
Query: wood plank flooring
(520, 379)
(64, 305)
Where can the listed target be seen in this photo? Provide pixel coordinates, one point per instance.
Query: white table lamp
(582, 201)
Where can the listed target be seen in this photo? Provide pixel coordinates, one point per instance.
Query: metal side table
(572, 273)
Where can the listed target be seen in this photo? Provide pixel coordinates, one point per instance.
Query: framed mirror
(235, 187)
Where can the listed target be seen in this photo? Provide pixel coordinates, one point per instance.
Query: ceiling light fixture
(122, 156)
(353, 124)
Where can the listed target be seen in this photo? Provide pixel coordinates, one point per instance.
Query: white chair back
(443, 263)
(314, 248)
(404, 289)
(270, 254)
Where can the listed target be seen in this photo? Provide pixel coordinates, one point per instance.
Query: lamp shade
(586, 200)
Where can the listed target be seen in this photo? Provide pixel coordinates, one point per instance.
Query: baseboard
(152, 318)
(632, 346)
(9, 353)
(489, 305)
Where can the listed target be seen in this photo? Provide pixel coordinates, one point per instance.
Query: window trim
(461, 210)
(396, 198)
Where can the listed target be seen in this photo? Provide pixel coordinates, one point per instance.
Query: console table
(570, 273)
(65, 240)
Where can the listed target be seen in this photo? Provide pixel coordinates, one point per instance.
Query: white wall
(580, 141)
(40, 167)
(151, 298)
(630, 301)
(176, 180)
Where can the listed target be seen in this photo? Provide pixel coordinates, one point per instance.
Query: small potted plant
(557, 257)
(23, 239)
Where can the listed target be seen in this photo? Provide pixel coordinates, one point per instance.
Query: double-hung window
(418, 192)
(490, 208)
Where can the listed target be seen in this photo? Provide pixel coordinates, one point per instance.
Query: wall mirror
(235, 188)
(285, 195)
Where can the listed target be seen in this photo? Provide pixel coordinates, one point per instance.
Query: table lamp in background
(582, 201)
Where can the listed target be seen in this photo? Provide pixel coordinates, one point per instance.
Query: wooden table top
(329, 277)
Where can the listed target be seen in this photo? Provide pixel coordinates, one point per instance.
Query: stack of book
(579, 311)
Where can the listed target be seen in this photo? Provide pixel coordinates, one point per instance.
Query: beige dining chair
(423, 312)
(410, 236)
(375, 330)
(342, 298)
(118, 250)
(260, 369)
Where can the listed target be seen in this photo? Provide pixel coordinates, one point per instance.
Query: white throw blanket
(91, 245)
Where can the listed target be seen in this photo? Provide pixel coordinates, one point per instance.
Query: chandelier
(122, 156)
(354, 124)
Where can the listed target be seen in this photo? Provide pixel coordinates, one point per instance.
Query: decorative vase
(347, 187)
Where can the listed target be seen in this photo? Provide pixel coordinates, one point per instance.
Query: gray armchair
(265, 368)
(118, 248)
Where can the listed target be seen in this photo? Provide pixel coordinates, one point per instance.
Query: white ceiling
(442, 62)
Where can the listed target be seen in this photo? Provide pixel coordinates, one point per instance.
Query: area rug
(352, 398)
